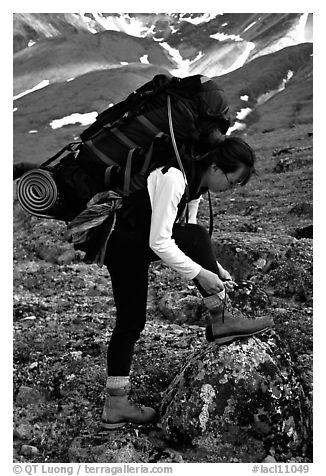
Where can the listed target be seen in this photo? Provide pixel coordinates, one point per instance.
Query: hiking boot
(224, 327)
(118, 410)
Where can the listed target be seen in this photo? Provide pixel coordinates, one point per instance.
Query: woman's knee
(191, 234)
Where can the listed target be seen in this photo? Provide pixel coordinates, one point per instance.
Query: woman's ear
(214, 168)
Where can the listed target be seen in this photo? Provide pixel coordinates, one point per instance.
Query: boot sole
(112, 426)
(226, 339)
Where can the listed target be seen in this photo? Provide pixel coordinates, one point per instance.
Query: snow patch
(249, 26)
(144, 59)
(266, 96)
(70, 79)
(243, 113)
(206, 17)
(182, 69)
(237, 126)
(223, 37)
(245, 97)
(15, 109)
(124, 62)
(130, 25)
(33, 131)
(83, 119)
(40, 85)
(31, 43)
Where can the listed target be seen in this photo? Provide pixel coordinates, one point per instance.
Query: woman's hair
(230, 154)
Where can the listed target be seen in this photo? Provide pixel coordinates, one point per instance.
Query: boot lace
(227, 306)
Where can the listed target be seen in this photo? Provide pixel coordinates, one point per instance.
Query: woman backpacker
(152, 228)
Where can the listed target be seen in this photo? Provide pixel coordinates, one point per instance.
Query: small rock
(28, 450)
(29, 396)
(48, 254)
(269, 459)
(66, 257)
(285, 164)
(23, 431)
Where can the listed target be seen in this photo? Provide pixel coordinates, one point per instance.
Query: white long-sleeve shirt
(165, 192)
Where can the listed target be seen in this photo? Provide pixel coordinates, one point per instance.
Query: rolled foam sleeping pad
(38, 194)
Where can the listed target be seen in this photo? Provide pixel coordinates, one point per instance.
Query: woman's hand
(209, 281)
(226, 278)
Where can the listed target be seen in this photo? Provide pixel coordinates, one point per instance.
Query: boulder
(239, 400)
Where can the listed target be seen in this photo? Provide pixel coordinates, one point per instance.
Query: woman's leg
(195, 242)
(127, 262)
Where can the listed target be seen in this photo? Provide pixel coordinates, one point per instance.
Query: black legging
(128, 260)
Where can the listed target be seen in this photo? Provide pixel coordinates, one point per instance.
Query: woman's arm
(165, 191)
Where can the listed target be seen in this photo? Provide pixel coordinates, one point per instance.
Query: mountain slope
(94, 91)
(266, 74)
(62, 58)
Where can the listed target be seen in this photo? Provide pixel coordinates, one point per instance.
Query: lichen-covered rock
(245, 254)
(240, 400)
(181, 309)
(117, 449)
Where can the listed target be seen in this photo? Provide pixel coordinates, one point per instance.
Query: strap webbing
(123, 138)
(211, 222)
(107, 176)
(126, 182)
(148, 124)
(149, 154)
(99, 154)
(174, 141)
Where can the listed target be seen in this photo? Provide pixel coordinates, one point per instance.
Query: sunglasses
(239, 183)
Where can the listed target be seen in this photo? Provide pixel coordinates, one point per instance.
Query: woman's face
(218, 181)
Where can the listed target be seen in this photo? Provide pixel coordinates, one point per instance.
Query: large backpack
(119, 150)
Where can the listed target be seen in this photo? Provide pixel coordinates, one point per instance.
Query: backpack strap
(127, 175)
(176, 147)
(149, 154)
(98, 153)
(123, 138)
(148, 124)
(211, 223)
